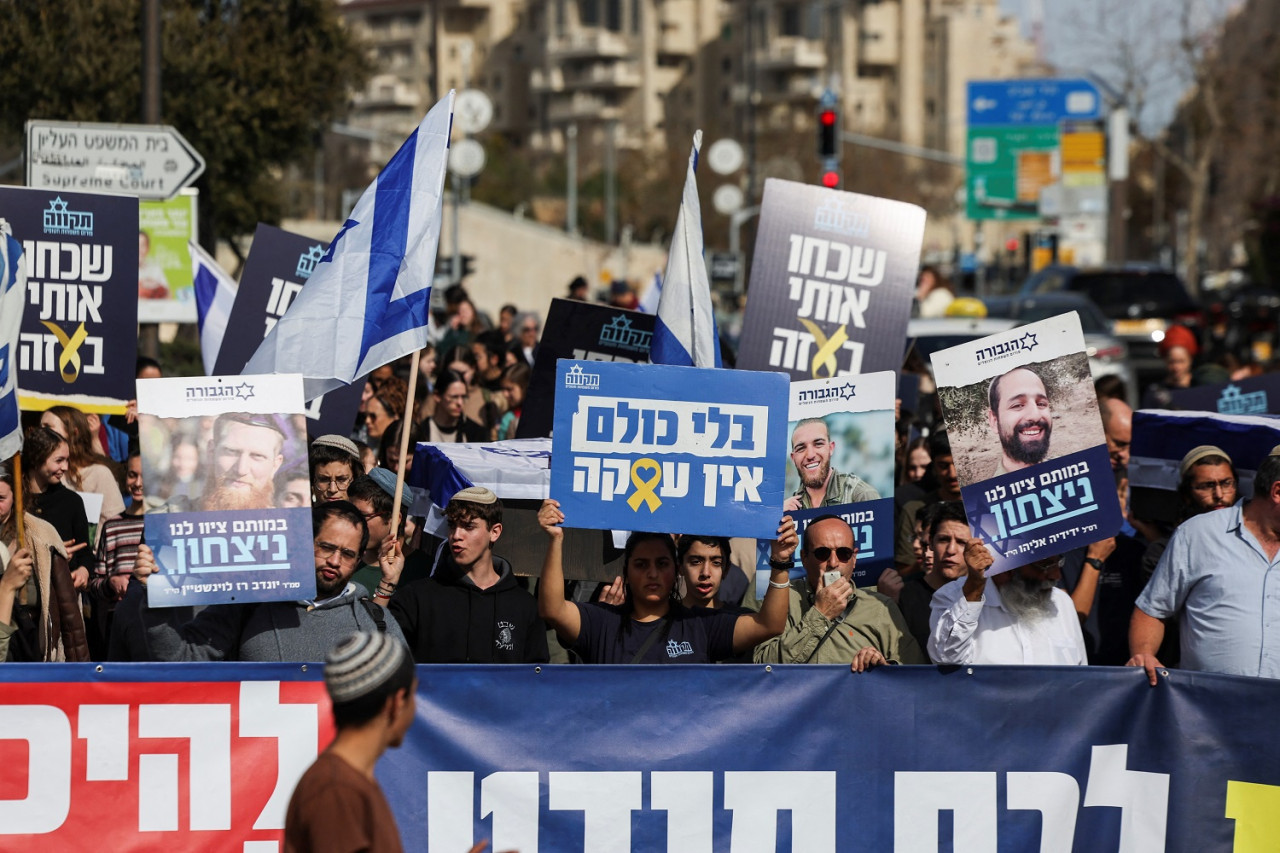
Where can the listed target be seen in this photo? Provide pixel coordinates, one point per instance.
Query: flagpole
(17, 499)
(406, 427)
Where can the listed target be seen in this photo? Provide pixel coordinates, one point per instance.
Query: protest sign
(279, 264)
(165, 292)
(1027, 441)
(831, 282)
(228, 514)
(585, 331)
(1161, 439)
(669, 449)
(79, 340)
(841, 445)
(1256, 395)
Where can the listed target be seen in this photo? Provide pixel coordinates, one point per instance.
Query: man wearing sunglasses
(1015, 617)
(282, 631)
(836, 622)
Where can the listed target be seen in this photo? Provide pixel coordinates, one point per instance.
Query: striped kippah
(360, 664)
(339, 442)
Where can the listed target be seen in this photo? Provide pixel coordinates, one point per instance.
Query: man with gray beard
(1019, 617)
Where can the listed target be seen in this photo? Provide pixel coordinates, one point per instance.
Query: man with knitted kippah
(338, 805)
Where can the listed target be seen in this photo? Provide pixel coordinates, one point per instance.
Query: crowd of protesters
(1181, 590)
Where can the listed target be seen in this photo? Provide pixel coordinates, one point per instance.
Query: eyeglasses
(345, 555)
(338, 482)
(844, 555)
(1214, 485)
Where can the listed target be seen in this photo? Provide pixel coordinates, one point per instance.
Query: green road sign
(1006, 167)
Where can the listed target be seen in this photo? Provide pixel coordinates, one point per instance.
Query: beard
(1028, 600)
(325, 589)
(1024, 450)
(817, 478)
(218, 497)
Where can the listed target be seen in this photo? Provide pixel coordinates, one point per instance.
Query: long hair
(639, 538)
(39, 444)
(8, 526)
(79, 443)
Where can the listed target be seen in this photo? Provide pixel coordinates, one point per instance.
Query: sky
(1084, 36)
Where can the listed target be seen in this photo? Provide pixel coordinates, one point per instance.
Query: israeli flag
(368, 301)
(516, 469)
(215, 294)
(652, 296)
(685, 332)
(13, 287)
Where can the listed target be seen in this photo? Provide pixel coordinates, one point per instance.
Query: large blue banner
(79, 339)
(809, 759)
(669, 449)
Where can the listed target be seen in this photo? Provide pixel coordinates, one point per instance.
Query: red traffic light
(827, 117)
(831, 179)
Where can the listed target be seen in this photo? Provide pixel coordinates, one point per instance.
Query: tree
(1153, 57)
(249, 83)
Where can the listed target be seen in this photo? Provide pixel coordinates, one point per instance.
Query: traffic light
(831, 176)
(828, 133)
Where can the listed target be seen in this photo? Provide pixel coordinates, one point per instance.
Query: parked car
(1108, 355)
(1141, 303)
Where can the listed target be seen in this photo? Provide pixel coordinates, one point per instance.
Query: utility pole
(571, 190)
(611, 181)
(149, 333)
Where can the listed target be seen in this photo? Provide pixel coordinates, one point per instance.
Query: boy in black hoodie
(471, 610)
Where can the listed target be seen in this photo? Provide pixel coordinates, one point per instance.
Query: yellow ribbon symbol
(644, 488)
(827, 347)
(70, 354)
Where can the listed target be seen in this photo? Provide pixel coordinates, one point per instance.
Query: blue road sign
(1032, 102)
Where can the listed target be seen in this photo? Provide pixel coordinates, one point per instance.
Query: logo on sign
(1232, 402)
(576, 378)
(73, 223)
(307, 261)
(618, 332)
(1026, 343)
(199, 393)
(833, 216)
(817, 395)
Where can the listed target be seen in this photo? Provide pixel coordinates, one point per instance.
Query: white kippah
(360, 664)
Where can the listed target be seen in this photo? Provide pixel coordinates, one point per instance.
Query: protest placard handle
(406, 427)
(17, 500)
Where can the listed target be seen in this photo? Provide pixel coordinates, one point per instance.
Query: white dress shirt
(963, 631)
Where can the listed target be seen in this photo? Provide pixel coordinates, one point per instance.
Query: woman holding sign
(652, 625)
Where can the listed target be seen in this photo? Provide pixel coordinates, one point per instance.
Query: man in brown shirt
(337, 806)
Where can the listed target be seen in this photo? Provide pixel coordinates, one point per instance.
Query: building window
(726, 65)
(789, 19)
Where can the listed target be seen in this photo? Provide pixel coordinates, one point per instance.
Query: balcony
(547, 81)
(797, 88)
(581, 107)
(791, 52)
(386, 92)
(610, 75)
(587, 44)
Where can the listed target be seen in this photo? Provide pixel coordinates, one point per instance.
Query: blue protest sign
(669, 449)
(1256, 395)
(1027, 440)
(79, 340)
(278, 266)
(224, 467)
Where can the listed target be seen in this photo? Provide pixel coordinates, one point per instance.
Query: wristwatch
(1095, 562)
(781, 564)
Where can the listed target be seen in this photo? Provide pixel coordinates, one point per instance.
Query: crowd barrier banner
(1254, 395)
(691, 758)
(79, 343)
(279, 265)
(831, 282)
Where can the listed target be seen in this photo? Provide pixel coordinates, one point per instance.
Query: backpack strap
(376, 613)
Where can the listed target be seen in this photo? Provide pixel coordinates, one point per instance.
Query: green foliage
(249, 83)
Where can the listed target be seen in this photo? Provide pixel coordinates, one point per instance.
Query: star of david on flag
(368, 301)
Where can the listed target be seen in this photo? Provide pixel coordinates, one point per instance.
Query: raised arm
(752, 629)
(558, 612)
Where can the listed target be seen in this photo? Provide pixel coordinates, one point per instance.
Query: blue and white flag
(215, 294)
(685, 333)
(13, 287)
(368, 301)
(652, 296)
(517, 469)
